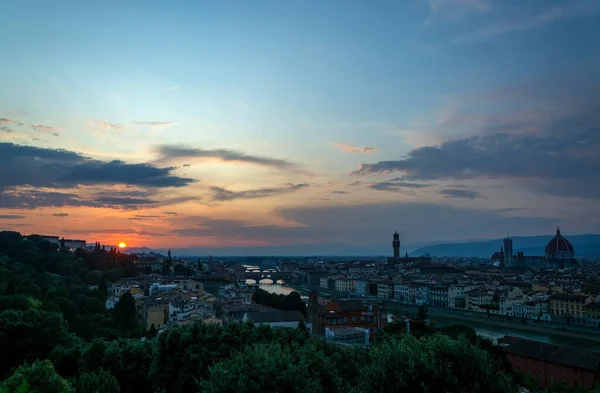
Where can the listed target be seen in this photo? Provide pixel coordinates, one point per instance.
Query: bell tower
(396, 245)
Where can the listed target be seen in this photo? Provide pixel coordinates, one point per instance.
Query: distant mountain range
(585, 245)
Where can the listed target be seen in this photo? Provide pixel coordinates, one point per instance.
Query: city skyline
(214, 124)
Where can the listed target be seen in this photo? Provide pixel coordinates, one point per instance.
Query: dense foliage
(38, 275)
(291, 302)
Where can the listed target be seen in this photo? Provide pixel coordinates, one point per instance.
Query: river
(268, 285)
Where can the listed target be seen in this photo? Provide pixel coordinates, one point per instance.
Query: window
(362, 317)
(345, 319)
(353, 319)
(374, 330)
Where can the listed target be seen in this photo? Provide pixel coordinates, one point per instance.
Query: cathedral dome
(559, 246)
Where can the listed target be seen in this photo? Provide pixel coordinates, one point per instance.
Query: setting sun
(122, 245)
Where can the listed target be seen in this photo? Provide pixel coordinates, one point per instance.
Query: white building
(362, 287)
(277, 319)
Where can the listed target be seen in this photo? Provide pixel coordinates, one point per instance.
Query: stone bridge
(258, 275)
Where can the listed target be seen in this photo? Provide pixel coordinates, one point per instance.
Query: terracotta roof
(557, 354)
(350, 305)
(559, 244)
(578, 298)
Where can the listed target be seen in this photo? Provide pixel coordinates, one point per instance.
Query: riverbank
(543, 333)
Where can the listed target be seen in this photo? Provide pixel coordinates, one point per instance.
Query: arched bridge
(258, 275)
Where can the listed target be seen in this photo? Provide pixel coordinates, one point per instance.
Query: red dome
(559, 245)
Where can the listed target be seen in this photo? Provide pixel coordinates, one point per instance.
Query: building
(404, 293)
(508, 252)
(347, 336)
(559, 254)
(324, 282)
(438, 296)
(345, 284)
(240, 272)
(570, 307)
(476, 298)
(422, 294)
(276, 318)
(385, 289)
(362, 287)
(397, 262)
(592, 314)
(550, 364)
(352, 313)
(155, 315)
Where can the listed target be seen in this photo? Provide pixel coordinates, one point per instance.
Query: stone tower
(508, 252)
(396, 245)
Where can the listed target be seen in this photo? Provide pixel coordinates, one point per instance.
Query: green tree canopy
(271, 367)
(39, 377)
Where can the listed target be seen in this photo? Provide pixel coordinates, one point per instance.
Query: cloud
(6, 130)
(451, 11)
(10, 217)
(32, 199)
(60, 214)
(4, 120)
(45, 129)
(340, 192)
(144, 217)
(155, 123)
(115, 231)
(397, 186)
(459, 193)
(109, 201)
(170, 213)
(222, 194)
(354, 149)
(106, 125)
(561, 160)
(168, 152)
(40, 167)
(566, 10)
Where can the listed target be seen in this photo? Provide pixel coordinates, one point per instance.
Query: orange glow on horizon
(122, 245)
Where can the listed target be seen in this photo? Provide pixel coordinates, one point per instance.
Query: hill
(585, 245)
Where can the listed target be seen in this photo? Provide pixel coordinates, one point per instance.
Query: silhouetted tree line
(38, 275)
(291, 302)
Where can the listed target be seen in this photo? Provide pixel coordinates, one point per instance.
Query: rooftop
(576, 358)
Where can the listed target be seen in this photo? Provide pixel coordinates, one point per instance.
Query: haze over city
(238, 124)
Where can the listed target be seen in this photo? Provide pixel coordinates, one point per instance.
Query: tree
(102, 286)
(37, 377)
(272, 367)
(125, 313)
(100, 381)
(431, 364)
(152, 331)
(421, 314)
(29, 335)
(200, 267)
(11, 287)
(302, 326)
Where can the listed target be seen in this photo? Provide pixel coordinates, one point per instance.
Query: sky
(268, 123)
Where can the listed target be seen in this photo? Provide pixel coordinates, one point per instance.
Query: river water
(268, 285)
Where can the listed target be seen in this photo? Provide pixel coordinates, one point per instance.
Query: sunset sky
(242, 123)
